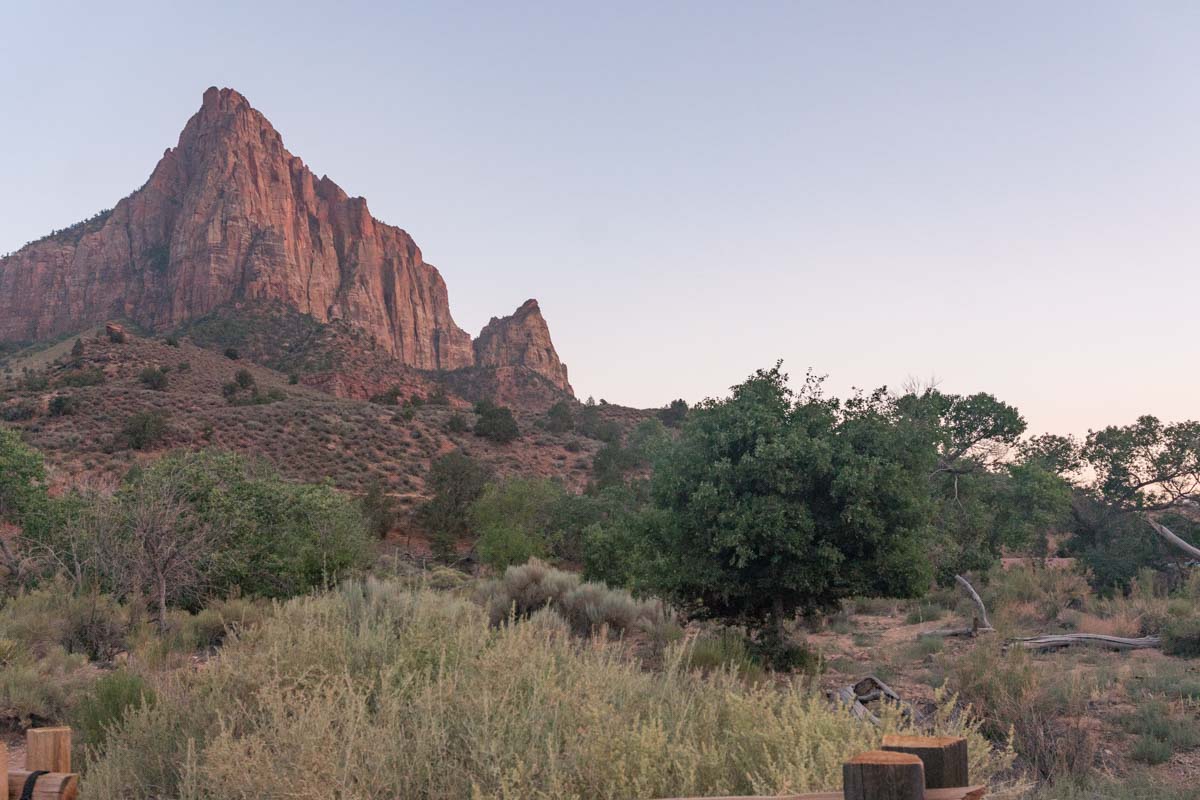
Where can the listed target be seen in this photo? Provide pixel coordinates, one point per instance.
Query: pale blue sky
(1004, 195)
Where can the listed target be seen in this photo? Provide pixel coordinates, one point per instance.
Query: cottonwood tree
(984, 498)
(1147, 468)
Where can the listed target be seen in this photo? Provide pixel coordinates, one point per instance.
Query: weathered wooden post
(3, 759)
(883, 775)
(48, 749)
(46, 785)
(47, 774)
(944, 757)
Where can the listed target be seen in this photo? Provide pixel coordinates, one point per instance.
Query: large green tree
(984, 499)
(772, 502)
(1148, 469)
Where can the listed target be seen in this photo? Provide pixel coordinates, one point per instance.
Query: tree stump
(883, 775)
(944, 757)
(48, 749)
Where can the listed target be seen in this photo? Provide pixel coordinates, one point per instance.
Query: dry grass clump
(1033, 590)
(1042, 712)
(586, 606)
(379, 690)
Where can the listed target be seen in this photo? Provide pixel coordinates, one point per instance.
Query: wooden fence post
(944, 757)
(883, 775)
(3, 759)
(48, 749)
(48, 786)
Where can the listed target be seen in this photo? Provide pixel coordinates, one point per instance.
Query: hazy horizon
(1002, 197)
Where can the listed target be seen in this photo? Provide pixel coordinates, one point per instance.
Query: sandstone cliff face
(522, 340)
(230, 215)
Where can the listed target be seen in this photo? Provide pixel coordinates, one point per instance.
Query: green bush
(274, 538)
(153, 378)
(104, 704)
(559, 418)
(82, 377)
(1181, 637)
(232, 353)
(63, 405)
(145, 429)
(457, 423)
(674, 414)
(35, 382)
(456, 481)
(92, 624)
(243, 378)
(18, 412)
(1149, 750)
(495, 423)
(391, 397)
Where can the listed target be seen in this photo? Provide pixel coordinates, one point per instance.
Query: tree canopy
(773, 502)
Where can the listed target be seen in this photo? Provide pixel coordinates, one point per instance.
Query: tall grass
(378, 690)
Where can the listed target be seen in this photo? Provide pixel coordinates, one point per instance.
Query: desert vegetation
(681, 618)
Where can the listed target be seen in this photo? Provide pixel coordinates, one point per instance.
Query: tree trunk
(162, 603)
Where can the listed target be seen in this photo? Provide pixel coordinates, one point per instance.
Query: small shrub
(496, 423)
(457, 423)
(82, 377)
(243, 378)
(105, 704)
(535, 585)
(391, 397)
(35, 382)
(674, 414)
(924, 612)
(727, 648)
(232, 353)
(18, 412)
(293, 379)
(171, 341)
(1149, 750)
(1181, 637)
(153, 378)
(145, 429)
(63, 405)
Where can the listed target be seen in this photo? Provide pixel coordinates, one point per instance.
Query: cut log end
(883, 775)
(944, 757)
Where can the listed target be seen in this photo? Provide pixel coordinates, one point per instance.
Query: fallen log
(1055, 641)
(958, 793)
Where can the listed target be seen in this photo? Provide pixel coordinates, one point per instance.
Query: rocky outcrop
(229, 215)
(522, 340)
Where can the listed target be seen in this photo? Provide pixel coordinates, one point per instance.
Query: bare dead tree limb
(1170, 536)
(981, 623)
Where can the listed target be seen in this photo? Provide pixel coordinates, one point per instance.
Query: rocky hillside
(95, 410)
(229, 218)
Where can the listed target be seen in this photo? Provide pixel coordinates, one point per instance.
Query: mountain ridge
(230, 216)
